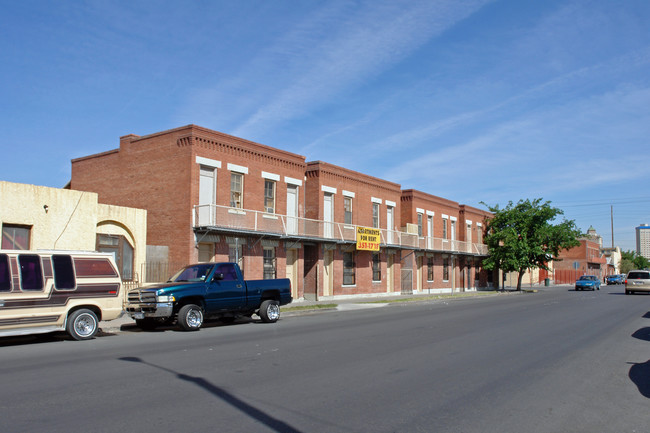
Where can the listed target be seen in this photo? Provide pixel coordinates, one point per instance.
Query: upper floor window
(269, 196)
(236, 190)
(347, 208)
(15, 237)
(375, 215)
(419, 224)
(444, 228)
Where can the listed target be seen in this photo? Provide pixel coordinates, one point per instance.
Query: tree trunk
(519, 278)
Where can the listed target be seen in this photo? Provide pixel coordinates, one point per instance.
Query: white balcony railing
(245, 220)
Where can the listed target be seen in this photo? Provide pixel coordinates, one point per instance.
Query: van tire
(269, 311)
(190, 317)
(82, 324)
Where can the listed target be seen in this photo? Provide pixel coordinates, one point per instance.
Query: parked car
(590, 282)
(637, 281)
(615, 279)
(215, 290)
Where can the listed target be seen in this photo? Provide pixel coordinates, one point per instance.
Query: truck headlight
(166, 298)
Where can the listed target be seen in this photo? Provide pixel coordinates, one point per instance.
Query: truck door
(227, 293)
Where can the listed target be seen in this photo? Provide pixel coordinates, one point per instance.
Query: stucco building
(42, 218)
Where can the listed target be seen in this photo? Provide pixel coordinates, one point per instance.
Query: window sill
(236, 211)
(269, 216)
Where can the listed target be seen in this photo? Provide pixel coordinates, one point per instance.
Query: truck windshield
(193, 273)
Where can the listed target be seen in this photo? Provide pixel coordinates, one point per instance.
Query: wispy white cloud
(366, 43)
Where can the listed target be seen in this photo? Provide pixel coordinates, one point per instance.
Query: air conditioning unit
(412, 228)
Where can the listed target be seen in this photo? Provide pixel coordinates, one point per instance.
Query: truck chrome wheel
(269, 311)
(190, 317)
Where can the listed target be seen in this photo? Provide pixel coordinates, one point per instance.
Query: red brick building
(585, 259)
(214, 197)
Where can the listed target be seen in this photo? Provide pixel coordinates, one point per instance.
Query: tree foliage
(631, 260)
(522, 236)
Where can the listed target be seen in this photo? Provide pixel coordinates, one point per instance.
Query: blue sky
(469, 100)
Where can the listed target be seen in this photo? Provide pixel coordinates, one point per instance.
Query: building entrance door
(292, 270)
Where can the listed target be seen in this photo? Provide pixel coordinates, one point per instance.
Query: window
(206, 252)
(347, 209)
(15, 237)
(269, 263)
(5, 274)
(419, 224)
(348, 269)
(228, 271)
(375, 215)
(445, 269)
(376, 267)
(444, 228)
(269, 196)
(63, 272)
(236, 190)
(207, 195)
(31, 274)
(429, 268)
(122, 252)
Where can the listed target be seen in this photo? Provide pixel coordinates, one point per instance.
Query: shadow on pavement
(642, 334)
(640, 375)
(255, 413)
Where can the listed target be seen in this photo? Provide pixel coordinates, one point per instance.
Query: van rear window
(639, 276)
(5, 275)
(31, 273)
(63, 272)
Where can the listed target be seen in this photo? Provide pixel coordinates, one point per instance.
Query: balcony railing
(250, 221)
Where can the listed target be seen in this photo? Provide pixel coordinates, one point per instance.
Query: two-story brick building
(214, 197)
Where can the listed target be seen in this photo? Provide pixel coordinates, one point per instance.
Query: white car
(637, 281)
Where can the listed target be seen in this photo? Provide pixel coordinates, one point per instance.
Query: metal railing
(246, 220)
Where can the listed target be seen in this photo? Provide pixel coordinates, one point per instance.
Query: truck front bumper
(157, 309)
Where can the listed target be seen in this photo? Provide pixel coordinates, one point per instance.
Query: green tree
(627, 261)
(631, 260)
(522, 236)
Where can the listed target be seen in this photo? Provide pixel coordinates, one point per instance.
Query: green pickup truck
(207, 290)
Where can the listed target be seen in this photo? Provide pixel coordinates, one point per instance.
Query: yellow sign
(368, 239)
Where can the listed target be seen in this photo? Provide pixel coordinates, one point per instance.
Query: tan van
(45, 291)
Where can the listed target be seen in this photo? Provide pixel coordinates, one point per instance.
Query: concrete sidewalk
(341, 304)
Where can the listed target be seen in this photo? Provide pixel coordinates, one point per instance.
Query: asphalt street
(552, 361)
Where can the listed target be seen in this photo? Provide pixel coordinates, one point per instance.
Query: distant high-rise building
(643, 240)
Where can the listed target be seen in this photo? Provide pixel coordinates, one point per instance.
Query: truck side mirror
(218, 276)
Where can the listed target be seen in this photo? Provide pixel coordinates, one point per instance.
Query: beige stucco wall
(65, 219)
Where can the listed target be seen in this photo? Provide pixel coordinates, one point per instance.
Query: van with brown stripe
(46, 291)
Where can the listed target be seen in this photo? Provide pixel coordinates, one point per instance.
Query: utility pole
(611, 207)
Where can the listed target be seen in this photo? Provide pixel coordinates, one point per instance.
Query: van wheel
(269, 311)
(190, 317)
(82, 324)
